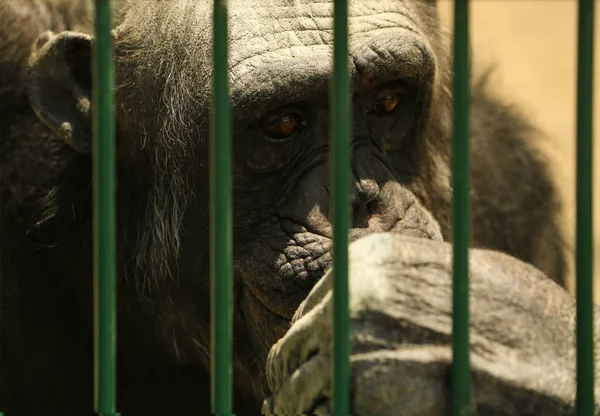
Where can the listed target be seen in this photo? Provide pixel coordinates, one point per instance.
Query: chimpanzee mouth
(306, 256)
(295, 263)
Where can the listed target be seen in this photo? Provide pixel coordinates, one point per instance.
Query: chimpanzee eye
(281, 127)
(383, 104)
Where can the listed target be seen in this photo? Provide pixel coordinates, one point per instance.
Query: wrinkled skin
(522, 337)
(280, 69)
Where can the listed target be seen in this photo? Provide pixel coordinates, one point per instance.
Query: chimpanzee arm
(522, 336)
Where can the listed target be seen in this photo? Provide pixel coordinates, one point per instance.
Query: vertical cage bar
(585, 237)
(105, 328)
(461, 207)
(221, 220)
(340, 179)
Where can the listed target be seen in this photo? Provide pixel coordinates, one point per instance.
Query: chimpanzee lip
(284, 301)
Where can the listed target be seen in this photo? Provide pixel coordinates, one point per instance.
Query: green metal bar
(340, 178)
(221, 220)
(105, 325)
(585, 239)
(461, 207)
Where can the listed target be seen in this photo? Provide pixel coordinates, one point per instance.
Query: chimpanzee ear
(60, 86)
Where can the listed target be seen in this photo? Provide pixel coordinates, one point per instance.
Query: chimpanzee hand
(522, 336)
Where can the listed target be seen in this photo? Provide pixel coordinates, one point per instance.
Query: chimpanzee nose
(364, 193)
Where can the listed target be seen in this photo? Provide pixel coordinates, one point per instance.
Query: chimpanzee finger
(305, 391)
(310, 335)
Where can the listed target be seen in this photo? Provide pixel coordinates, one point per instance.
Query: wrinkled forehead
(289, 43)
(297, 23)
(294, 28)
(278, 49)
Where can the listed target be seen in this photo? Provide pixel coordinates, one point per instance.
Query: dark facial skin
(280, 70)
(292, 187)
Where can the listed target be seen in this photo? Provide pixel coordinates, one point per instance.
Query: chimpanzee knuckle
(268, 406)
(308, 337)
(42, 40)
(308, 387)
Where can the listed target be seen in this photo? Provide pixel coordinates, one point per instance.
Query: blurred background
(534, 46)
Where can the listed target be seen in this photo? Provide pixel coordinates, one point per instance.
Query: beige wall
(534, 43)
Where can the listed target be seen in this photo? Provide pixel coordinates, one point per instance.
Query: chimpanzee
(280, 57)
